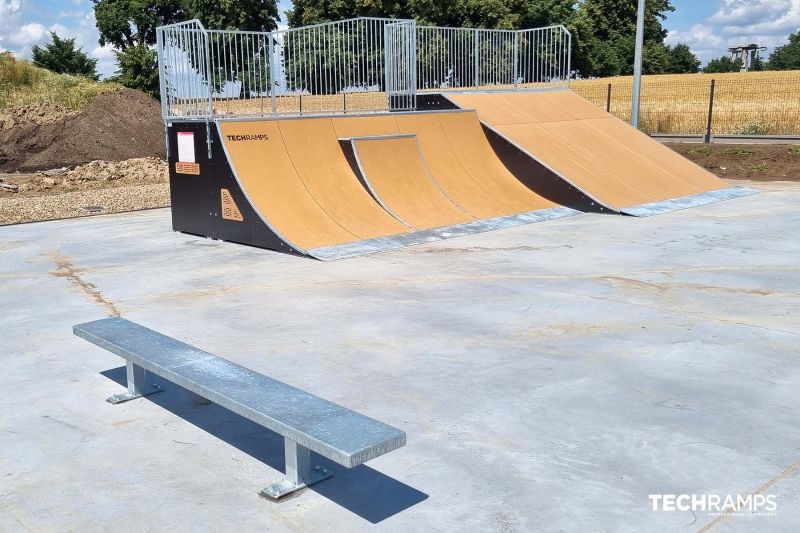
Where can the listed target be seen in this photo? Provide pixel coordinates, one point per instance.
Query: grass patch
(704, 151)
(757, 167)
(738, 151)
(23, 83)
(795, 149)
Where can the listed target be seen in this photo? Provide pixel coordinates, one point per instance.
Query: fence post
(273, 71)
(608, 99)
(707, 138)
(477, 59)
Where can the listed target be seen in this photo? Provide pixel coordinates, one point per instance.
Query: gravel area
(82, 203)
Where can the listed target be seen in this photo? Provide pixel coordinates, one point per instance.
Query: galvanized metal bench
(306, 422)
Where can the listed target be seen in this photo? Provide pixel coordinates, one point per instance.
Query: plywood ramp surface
(313, 147)
(394, 170)
(601, 155)
(449, 171)
(268, 179)
(468, 141)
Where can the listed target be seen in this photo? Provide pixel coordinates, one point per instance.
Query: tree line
(603, 31)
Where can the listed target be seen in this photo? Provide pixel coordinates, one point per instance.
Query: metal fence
(464, 58)
(357, 65)
(751, 103)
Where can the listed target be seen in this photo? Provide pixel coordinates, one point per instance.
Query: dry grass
(22, 83)
(751, 103)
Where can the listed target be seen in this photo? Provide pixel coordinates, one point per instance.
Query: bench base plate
(278, 490)
(127, 396)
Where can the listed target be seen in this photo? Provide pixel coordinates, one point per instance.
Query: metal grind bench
(306, 422)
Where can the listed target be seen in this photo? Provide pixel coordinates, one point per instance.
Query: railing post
(477, 59)
(207, 46)
(516, 59)
(707, 138)
(608, 99)
(273, 74)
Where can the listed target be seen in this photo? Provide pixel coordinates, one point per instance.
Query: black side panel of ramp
(539, 178)
(197, 200)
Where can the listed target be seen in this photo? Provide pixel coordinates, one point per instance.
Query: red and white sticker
(186, 147)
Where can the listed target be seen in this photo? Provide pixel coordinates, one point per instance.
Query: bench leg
(136, 385)
(299, 473)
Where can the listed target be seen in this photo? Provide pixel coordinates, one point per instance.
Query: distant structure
(747, 53)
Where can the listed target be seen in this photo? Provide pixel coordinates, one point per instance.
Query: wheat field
(745, 103)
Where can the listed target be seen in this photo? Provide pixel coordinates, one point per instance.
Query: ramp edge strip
(685, 202)
(384, 244)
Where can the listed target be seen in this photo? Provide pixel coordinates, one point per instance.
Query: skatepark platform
(340, 186)
(547, 380)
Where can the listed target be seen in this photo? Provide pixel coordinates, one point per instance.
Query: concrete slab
(549, 377)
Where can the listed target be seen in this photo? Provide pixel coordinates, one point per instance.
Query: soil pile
(117, 125)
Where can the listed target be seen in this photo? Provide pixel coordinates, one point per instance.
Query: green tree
(682, 60)
(130, 26)
(603, 28)
(723, 64)
(138, 69)
(786, 57)
(61, 55)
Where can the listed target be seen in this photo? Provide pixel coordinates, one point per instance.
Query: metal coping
(396, 242)
(685, 202)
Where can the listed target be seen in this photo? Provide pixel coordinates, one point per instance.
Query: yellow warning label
(230, 211)
(187, 168)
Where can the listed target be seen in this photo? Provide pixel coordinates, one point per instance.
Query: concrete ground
(549, 377)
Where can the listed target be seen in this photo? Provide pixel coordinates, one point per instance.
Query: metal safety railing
(357, 65)
(464, 58)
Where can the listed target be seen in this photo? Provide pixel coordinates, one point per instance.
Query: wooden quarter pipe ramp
(613, 163)
(290, 184)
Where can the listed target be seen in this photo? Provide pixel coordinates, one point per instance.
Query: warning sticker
(187, 168)
(230, 211)
(186, 147)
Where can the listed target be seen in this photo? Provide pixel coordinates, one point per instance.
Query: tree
(138, 69)
(723, 64)
(61, 56)
(682, 60)
(606, 28)
(786, 57)
(130, 26)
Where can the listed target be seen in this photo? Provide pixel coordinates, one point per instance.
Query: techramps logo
(717, 505)
(250, 137)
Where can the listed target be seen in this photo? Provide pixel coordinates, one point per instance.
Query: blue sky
(707, 26)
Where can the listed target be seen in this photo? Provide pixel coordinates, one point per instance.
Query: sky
(709, 27)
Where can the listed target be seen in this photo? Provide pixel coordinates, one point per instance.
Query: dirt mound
(117, 125)
(35, 114)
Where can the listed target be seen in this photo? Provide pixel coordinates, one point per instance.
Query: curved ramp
(395, 173)
(616, 165)
(295, 178)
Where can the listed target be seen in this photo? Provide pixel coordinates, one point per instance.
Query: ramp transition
(293, 186)
(613, 163)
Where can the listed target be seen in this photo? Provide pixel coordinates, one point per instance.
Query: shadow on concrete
(361, 490)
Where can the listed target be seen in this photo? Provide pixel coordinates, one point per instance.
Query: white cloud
(29, 34)
(735, 22)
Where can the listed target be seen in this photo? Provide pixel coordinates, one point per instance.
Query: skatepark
(392, 297)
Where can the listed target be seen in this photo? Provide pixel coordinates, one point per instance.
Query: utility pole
(637, 66)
